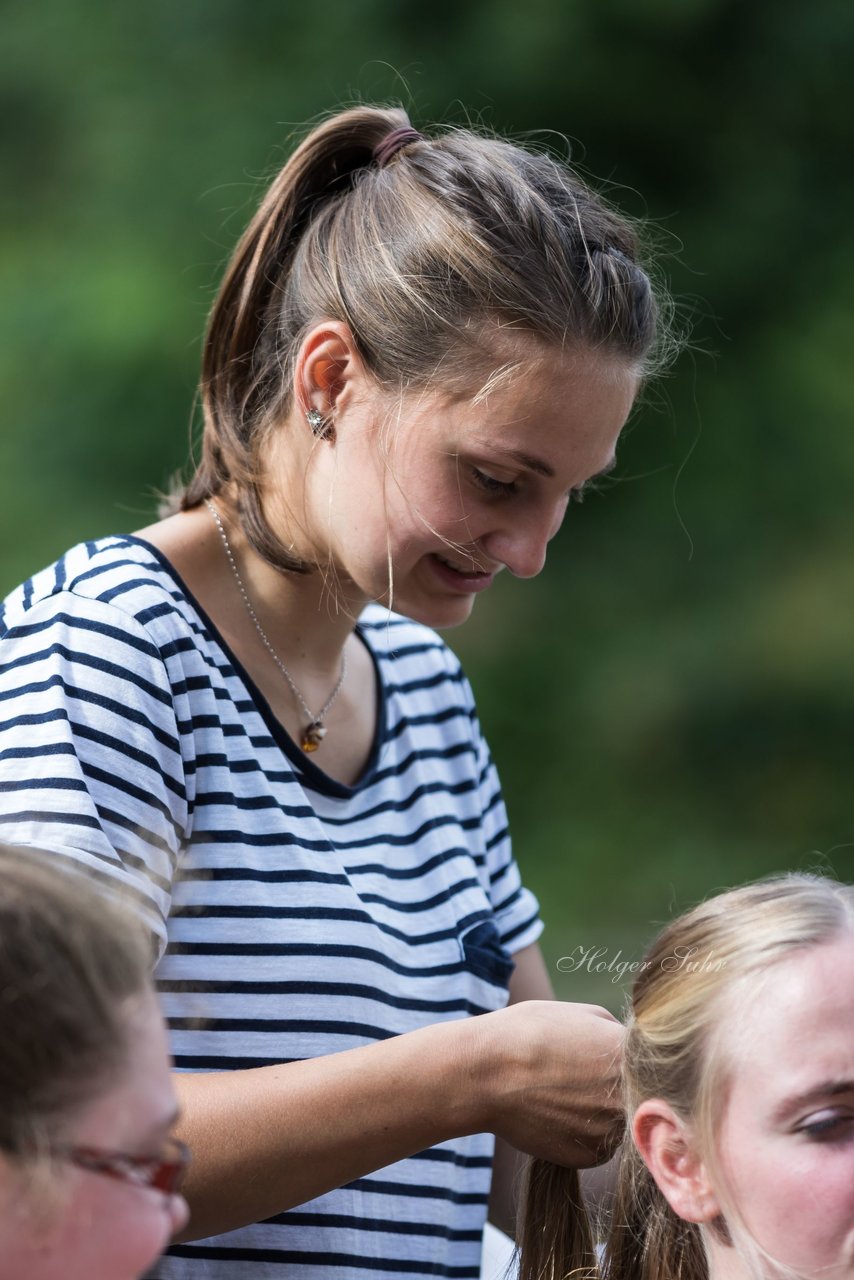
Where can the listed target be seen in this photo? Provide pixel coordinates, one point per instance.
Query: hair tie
(392, 143)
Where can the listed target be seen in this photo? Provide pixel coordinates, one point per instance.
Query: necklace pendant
(313, 735)
(315, 731)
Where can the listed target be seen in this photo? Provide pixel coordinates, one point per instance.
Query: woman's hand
(549, 1076)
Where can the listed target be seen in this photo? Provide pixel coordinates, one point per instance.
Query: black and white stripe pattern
(302, 916)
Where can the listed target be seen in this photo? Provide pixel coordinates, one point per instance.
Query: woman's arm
(538, 1074)
(269, 1138)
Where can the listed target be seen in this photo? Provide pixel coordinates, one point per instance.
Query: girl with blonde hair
(738, 1076)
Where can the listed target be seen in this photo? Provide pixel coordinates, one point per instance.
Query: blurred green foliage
(671, 702)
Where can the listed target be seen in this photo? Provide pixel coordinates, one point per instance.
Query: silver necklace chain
(315, 730)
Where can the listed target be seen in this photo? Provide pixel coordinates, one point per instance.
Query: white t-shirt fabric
(500, 1261)
(294, 916)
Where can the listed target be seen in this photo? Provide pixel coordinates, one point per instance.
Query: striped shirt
(296, 916)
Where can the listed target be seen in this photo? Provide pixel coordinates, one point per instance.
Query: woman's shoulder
(118, 578)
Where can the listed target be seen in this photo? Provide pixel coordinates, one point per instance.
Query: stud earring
(319, 425)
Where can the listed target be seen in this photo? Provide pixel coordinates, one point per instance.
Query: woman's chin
(438, 614)
(424, 596)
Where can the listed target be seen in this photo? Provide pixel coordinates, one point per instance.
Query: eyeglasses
(164, 1172)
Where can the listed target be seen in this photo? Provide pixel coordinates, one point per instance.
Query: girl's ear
(667, 1148)
(328, 368)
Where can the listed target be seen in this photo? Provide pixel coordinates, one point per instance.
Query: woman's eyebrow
(827, 1089)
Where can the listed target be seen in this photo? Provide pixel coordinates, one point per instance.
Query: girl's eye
(829, 1128)
(489, 483)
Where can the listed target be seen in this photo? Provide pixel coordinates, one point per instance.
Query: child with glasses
(89, 1171)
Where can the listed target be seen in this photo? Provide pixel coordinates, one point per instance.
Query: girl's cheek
(151, 1231)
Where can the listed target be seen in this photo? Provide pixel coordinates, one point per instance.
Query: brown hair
(672, 1053)
(416, 256)
(554, 1235)
(70, 959)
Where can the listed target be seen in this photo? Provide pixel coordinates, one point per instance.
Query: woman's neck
(308, 627)
(306, 618)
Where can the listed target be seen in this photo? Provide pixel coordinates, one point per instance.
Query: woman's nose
(522, 544)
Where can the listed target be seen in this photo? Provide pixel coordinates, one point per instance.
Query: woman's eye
(828, 1128)
(489, 483)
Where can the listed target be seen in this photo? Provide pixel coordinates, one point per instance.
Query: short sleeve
(517, 912)
(90, 749)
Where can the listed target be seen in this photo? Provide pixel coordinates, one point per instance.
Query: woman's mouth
(460, 578)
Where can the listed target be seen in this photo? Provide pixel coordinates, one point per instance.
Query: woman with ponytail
(423, 348)
(738, 1076)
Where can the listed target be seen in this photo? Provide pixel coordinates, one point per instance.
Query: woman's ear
(668, 1149)
(328, 369)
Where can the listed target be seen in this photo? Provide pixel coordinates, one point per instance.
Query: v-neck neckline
(313, 776)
